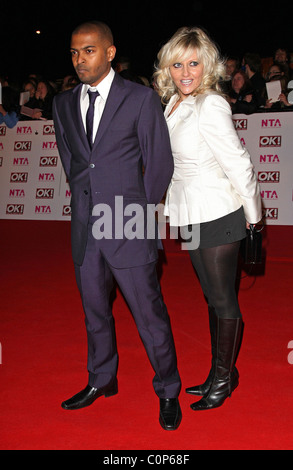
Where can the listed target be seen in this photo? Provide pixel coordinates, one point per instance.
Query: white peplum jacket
(213, 174)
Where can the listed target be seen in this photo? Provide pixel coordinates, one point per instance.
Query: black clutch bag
(252, 246)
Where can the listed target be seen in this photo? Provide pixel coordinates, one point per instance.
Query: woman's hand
(37, 115)
(283, 99)
(248, 98)
(268, 104)
(248, 224)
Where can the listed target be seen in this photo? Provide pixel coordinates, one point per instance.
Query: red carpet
(43, 354)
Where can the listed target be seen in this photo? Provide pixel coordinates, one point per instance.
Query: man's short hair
(90, 26)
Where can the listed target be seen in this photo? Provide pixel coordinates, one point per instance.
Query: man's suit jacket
(132, 138)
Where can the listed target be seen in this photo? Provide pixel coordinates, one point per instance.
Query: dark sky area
(139, 29)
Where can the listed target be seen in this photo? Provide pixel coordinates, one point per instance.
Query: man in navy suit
(117, 160)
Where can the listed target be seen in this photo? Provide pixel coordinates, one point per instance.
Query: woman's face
(274, 71)
(29, 87)
(237, 82)
(187, 75)
(42, 90)
(280, 56)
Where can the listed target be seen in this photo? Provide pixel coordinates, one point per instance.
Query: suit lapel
(77, 118)
(115, 98)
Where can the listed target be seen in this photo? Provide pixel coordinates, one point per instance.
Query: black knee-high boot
(225, 377)
(203, 389)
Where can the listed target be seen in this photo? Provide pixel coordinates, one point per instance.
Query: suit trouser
(141, 289)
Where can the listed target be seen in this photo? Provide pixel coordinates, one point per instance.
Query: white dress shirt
(213, 174)
(103, 88)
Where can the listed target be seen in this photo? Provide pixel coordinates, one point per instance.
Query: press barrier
(33, 184)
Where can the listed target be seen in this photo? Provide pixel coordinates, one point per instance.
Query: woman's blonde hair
(180, 48)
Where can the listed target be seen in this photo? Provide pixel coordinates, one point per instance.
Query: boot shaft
(229, 335)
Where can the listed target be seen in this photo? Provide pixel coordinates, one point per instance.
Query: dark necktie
(90, 115)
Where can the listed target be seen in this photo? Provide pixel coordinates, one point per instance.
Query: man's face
(280, 56)
(91, 56)
(230, 67)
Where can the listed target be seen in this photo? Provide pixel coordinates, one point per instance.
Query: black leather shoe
(170, 413)
(87, 396)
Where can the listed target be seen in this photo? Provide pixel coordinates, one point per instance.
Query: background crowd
(244, 86)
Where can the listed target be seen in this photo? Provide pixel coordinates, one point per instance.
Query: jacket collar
(115, 97)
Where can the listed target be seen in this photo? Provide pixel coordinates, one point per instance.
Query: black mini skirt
(227, 229)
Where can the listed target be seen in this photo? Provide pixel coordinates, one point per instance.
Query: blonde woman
(213, 193)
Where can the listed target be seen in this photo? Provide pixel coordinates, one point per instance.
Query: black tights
(216, 268)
